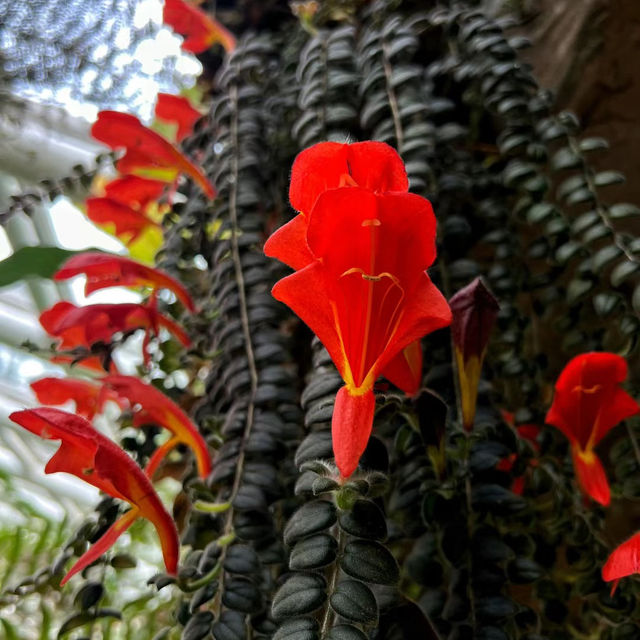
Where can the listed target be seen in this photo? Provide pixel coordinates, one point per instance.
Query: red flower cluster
(588, 403)
(200, 31)
(90, 456)
(84, 326)
(131, 202)
(361, 246)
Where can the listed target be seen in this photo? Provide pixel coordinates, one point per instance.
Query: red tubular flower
(623, 562)
(151, 405)
(92, 457)
(200, 31)
(374, 166)
(88, 396)
(129, 223)
(146, 150)
(367, 296)
(135, 191)
(177, 109)
(109, 270)
(588, 403)
(84, 326)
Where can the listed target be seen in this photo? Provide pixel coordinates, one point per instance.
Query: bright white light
(5, 247)
(147, 11)
(30, 368)
(75, 232)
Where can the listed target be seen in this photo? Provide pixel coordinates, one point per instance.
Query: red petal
(103, 544)
(591, 476)
(304, 292)
(405, 368)
(87, 395)
(199, 30)
(107, 270)
(156, 407)
(125, 219)
(145, 148)
(130, 480)
(588, 401)
(179, 110)
(350, 428)
(426, 311)
(134, 190)
(624, 561)
(371, 165)
(289, 244)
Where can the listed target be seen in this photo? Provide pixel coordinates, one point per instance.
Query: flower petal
(103, 544)
(88, 396)
(372, 165)
(624, 561)
(591, 475)
(177, 109)
(134, 190)
(200, 31)
(405, 368)
(351, 427)
(289, 244)
(304, 292)
(127, 221)
(109, 270)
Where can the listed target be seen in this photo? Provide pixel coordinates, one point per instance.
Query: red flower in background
(88, 396)
(146, 150)
(367, 297)
(177, 109)
(327, 166)
(151, 405)
(128, 222)
(108, 270)
(200, 31)
(623, 562)
(135, 191)
(84, 326)
(87, 454)
(588, 403)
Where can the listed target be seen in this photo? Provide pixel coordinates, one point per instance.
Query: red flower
(84, 326)
(179, 110)
(151, 405)
(87, 454)
(330, 165)
(199, 30)
(135, 191)
(624, 561)
(88, 396)
(146, 150)
(367, 297)
(588, 403)
(109, 270)
(129, 223)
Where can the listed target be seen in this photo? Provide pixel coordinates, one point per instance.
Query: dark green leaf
(79, 619)
(364, 520)
(310, 518)
(345, 632)
(301, 593)
(354, 601)
(606, 178)
(370, 562)
(312, 553)
(298, 629)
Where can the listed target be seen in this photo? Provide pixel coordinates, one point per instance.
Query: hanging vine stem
(600, 207)
(327, 619)
(244, 320)
(391, 96)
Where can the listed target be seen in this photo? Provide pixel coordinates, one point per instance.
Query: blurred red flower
(587, 404)
(92, 457)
